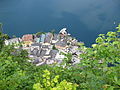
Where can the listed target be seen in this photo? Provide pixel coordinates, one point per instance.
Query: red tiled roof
(28, 37)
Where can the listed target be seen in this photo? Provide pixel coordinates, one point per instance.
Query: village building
(49, 61)
(37, 39)
(39, 53)
(43, 54)
(48, 38)
(55, 39)
(61, 45)
(73, 49)
(75, 60)
(74, 42)
(41, 63)
(13, 41)
(36, 61)
(34, 52)
(59, 56)
(69, 40)
(42, 38)
(35, 45)
(66, 50)
(53, 53)
(27, 40)
(46, 48)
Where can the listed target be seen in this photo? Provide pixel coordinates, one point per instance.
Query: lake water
(84, 19)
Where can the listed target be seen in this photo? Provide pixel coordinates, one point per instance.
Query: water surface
(85, 19)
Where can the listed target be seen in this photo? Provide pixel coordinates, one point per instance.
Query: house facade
(61, 45)
(13, 41)
(27, 40)
(35, 45)
(55, 38)
(48, 38)
(42, 38)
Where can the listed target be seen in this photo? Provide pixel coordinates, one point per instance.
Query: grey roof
(14, 40)
(45, 46)
(53, 53)
(47, 40)
(36, 44)
(61, 43)
(56, 36)
(43, 52)
(48, 37)
(49, 61)
(42, 37)
(36, 61)
(39, 53)
(34, 52)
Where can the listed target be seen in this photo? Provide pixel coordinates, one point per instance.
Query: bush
(96, 62)
(49, 83)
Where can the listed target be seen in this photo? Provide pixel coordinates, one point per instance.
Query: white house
(58, 56)
(13, 41)
(35, 45)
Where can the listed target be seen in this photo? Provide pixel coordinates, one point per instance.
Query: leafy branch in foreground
(101, 62)
(53, 84)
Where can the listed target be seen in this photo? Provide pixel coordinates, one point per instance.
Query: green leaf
(110, 88)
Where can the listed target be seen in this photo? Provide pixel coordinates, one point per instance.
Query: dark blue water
(85, 19)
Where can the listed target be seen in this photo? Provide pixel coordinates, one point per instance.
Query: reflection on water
(84, 19)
